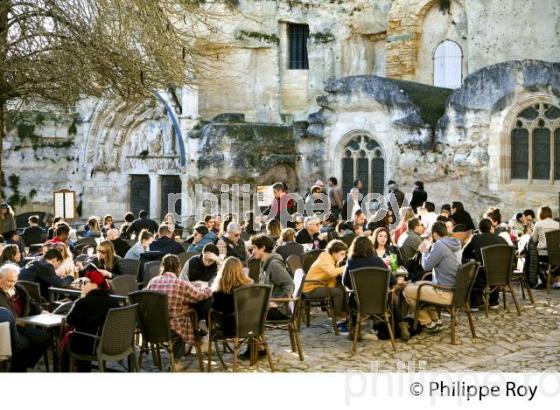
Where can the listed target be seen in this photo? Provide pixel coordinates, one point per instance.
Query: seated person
(181, 295)
(203, 267)
(201, 237)
(310, 233)
(33, 234)
(29, 343)
(12, 238)
(288, 245)
(165, 243)
(88, 315)
(106, 261)
(121, 246)
(229, 277)
(62, 235)
(93, 230)
(273, 272)
(232, 238)
(442, 259)
(384, 248)
(327, 269)
(43, 272)
(67, 266)
(145, 238)
(10, 254)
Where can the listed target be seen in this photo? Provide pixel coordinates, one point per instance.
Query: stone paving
(506, 343)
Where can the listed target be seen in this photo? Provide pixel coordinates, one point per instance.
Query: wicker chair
(153, 321)
(82, 244)
(123, 285)
(553, 251)
(371, 289)
(308, 258)
(294, 263)
(292, 323)
(466, 276)
(115, 342)
(151, 270)
(250, 306)
(498, 266)
(129, 267)
(254, 266)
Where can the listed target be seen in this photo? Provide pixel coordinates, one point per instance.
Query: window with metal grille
(297, 46)
(535, 143)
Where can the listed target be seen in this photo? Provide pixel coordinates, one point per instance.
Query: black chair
(115, 343)
(34, 290)
(371, 290)
(294, 263)
(81, 244)
(254, 266)
(64, 308)
(123, 285)
(498, 266)
(153, 321)
(129, 267)
(308, 258)
(291, 324)
(466, 276)
(250, 306)
(151, 270)
(553, 251)
(325, 302)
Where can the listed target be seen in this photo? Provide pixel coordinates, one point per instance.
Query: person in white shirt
(428, 216)
(544, 225)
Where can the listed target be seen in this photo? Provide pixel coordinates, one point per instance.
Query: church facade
(461, 94)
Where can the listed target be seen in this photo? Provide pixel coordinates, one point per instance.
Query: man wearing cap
(200, 238)
(88, 315)
(203, 267)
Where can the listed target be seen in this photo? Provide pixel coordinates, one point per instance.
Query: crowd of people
(415, 239)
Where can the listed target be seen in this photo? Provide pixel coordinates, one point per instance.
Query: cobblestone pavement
(506, 343)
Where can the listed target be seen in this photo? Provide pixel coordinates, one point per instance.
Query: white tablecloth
(5, 345)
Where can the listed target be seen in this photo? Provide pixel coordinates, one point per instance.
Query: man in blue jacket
(442, 259)
(201, 237)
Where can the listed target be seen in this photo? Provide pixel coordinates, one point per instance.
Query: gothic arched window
(363, 159)
(535, 143)
(448, 65)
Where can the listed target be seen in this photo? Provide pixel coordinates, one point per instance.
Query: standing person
(419, 196)
(88, 315)
(181, 296)
(327, 269)
(143, 222)
(33, 234)
(545, 224)
(128, 219)
(335, 196)
(429, 217)
(7, 218)
(281, 203)
(460, 216)
(393, 188)
(30, 342)
(144, 240)
(442, 259)
(273, 272)
(351, 204)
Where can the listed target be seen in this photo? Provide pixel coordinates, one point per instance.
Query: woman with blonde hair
(106, 260)
(230, 277)
(93, 228)
(274, 229)
(405, 214)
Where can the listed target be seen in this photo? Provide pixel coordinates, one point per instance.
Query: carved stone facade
(254, 120)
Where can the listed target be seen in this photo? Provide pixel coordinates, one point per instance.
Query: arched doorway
(363, 159)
